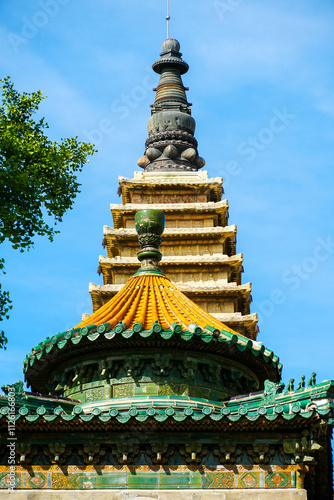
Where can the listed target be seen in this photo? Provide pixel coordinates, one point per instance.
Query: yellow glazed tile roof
(150, 298)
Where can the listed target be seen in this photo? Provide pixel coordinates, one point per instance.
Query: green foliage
(38, 177)
(5, 306)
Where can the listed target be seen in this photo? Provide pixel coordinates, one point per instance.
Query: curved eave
(288, 411)
(70, 345)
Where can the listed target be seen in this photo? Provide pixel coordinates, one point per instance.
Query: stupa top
(170, 56)
(171, 144)
(171, 45)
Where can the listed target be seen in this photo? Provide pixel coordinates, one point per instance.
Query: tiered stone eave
(205, 214)
(195, 245)
(144, 184)
(197, 291)
(110, 290)
(233, 260)
(119, 269)
(119, 241)
(245, 324)
(198, 246)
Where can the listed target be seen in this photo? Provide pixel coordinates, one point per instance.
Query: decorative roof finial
(168, 18)
(150, 225)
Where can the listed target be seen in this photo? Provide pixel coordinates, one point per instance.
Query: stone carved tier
(163, 187)
(194, 241)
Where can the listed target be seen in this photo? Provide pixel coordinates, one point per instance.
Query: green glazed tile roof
(66, 345)
(287, 409)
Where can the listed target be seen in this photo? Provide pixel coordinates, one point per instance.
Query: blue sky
(261, 84)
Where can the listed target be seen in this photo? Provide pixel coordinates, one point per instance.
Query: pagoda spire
(171, 144)
(168, 18)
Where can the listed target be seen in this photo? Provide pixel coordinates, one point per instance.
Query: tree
(38, 177)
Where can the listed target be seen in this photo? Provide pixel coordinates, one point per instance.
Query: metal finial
(168, 18)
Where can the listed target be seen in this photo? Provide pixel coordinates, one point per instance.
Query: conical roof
(152, 298)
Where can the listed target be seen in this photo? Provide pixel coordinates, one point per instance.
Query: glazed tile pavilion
(164, 391)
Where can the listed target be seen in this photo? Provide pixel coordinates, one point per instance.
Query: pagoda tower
(163, 391)
(198, 245)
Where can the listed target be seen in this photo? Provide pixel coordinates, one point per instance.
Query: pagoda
(164, 390)
(198, 245)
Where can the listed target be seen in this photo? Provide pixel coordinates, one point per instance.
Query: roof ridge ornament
(150, 225)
